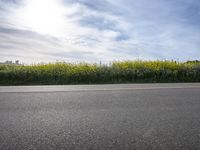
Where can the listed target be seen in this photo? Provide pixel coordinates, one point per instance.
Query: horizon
(18, 62)
(35, 31)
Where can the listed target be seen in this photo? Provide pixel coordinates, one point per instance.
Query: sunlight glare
(44, 16)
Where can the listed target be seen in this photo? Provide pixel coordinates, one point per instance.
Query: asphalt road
(138, 116)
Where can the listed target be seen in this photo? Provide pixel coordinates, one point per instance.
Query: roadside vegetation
(117, 72)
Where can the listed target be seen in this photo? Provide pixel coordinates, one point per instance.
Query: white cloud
(51, 30)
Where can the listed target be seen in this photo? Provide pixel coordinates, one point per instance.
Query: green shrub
(117, 72)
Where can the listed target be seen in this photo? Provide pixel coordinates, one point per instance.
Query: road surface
(95, 117)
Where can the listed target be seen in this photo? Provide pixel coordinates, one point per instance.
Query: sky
(35, 31)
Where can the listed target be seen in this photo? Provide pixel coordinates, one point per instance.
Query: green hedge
(117, 72)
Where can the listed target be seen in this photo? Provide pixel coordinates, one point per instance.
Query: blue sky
(99, 30)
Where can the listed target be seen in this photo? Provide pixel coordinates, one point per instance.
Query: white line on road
(24, 89)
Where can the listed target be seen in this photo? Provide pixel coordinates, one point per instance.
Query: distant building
(8, 62)
(17, 62)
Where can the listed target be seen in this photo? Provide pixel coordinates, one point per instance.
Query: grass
(117, 72)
